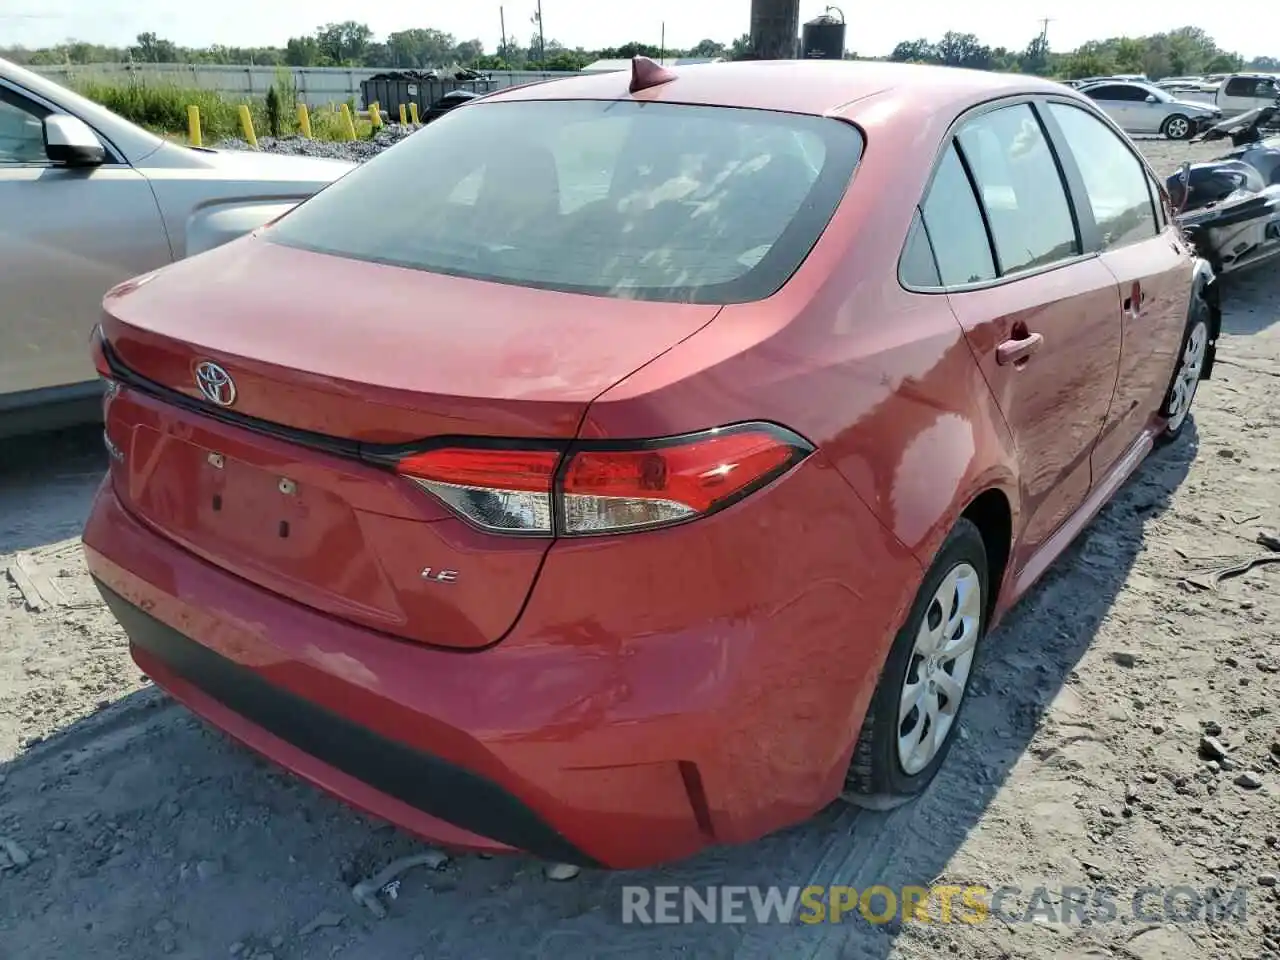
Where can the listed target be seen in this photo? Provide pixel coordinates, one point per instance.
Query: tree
(566, 60)
(1265, 64)
(154, 50)
(709, 49)
(963, 50)
(420, 48)
(1086, 63)
(915, 51)
(629, 50)
(1035, 59)
(303, 52)
(344, 44)
(468, 51)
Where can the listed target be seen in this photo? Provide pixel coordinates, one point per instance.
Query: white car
(88, 200)
(1145, 108)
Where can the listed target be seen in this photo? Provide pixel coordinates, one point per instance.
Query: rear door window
(1020, 188)
(1114, 179)
(649, 201)
(956, 230)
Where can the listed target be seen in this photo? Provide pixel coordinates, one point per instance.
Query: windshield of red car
(648, 201)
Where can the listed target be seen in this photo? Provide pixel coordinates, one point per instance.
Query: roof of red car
(796, 86)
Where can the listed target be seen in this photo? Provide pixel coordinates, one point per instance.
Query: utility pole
(542, 38)
(1044, 30)
(502, 21)
(662, 43)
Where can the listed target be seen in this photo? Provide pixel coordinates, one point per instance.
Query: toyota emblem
(215, 384)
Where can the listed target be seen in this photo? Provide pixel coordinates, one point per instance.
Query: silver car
(88, 200)
(1144, 108)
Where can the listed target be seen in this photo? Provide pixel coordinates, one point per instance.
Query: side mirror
(1152, 98)
(68, 140)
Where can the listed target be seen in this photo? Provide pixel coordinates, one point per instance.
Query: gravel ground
(1122, 731)
(356, 150)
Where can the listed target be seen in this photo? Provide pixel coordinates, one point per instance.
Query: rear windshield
(645, 201)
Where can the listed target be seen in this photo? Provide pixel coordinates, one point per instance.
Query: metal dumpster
(423, 87)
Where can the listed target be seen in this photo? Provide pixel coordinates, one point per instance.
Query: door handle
(1134, 303)
(1018, 352)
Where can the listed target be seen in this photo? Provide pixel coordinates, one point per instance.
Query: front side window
(647, 201)
(955, 226)
(1114, 179)
(1020, 188)
(21, 130)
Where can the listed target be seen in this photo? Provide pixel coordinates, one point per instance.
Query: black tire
(876, 778)
(1178, 127)
(1198, 315)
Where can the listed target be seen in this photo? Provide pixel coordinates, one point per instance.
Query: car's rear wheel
(1188, 369)
(1178, 127)
(913, 717)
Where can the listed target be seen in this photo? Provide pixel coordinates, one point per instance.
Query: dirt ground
(129, 829)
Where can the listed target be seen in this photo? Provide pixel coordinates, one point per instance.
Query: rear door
(66, 237)
(1124, 218)
(1040, 315)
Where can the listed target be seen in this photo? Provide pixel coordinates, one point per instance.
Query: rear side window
(646, 201)
(1114, 180)
(918, 267)
(955, 225)
(1250, 87)
(1020, 188)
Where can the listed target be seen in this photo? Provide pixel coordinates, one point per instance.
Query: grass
(162, 109)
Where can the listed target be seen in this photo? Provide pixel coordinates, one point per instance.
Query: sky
(600, 23)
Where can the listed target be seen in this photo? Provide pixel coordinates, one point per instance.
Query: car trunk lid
(335, 363)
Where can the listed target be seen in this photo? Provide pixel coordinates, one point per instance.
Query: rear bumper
(626, 720)
(459, 806)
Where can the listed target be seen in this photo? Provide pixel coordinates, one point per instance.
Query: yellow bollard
(403, 118)
(375, 116)
(347, 125)
(246, 124)
(413, 113)
(193, 126)
(304, 120)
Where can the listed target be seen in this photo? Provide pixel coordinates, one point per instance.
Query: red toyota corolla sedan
(629, 464)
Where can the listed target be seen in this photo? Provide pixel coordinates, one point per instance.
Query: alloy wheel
(1187, 377)
(1177, 128)
(938, 674)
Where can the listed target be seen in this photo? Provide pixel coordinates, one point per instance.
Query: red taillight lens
(606, 488)
(625, 489)
(497, 489)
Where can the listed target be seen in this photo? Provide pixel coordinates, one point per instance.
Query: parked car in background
(1240, 93)
(1145, 108)
(87, 200)
(647, 476)
(449, 102)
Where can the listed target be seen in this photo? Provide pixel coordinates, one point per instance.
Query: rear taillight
(596, 488)
(497, 489)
